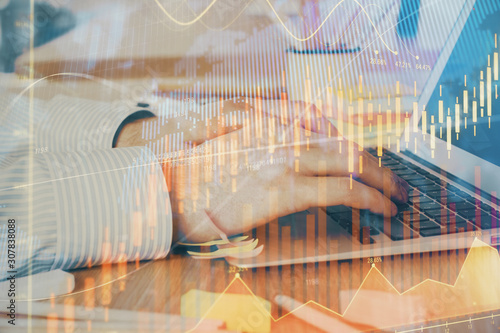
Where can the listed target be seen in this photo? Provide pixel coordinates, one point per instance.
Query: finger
(333, 191)
(322, 125)
(323, 163)
(368, 170)
(210, 129)
(199, 130)
(309, 115)
(330, 162)
(382, 178)
(313, 120)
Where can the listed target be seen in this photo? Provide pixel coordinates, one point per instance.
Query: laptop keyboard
(434, 208)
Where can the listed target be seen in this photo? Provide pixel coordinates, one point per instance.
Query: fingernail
(403, 192)
(394, 209)
(403, 188)
(404, 184)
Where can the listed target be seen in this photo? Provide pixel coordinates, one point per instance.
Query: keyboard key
(408, 163)
(428, 188)
(495, 220)
(429, 205)
(411, 215)
(338, 213)
(453, 222)
(418, 199)
(487, 208)
(451, 188)
(368, 218)
(436, 194)
(360, 230)
(371, 150)
(453, 198)
(472, 200)
(412, 176)
(405, 215)
(420, 182)
(416, 168)
(484, 221)
(431, 232)
(432, 177)
(404, 171)
(296, 222)
(365, 235)
(423, 224)
(455, 229)
(338, 209)
(398, 167)
(450, 217)
(468, 213)
(403, 206)
(458, 206)
(345, 223)
(341, 216)
(455, 190)
(434, 213)
(392, 164)
(463, 195)
(394, 228)
(478, 203)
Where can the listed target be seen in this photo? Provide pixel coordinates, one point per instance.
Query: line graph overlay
(449, 324)
(300, 39)
(475, 290)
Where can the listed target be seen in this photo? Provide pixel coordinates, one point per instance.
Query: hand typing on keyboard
(272, 167)
(434, 207)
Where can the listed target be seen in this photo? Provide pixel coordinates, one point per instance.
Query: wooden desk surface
(157, 286)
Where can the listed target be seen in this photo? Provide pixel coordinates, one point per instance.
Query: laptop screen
(464, 108)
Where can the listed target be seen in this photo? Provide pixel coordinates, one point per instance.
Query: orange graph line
(475, 243)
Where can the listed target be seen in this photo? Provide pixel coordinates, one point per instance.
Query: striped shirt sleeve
(89, 203)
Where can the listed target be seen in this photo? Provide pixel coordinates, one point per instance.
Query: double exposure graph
(473, 299)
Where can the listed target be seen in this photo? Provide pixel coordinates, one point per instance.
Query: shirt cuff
(111, 206)
(74, 124)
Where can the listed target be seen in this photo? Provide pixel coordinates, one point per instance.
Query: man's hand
(280, 162)
(251, 176)
(194, 127)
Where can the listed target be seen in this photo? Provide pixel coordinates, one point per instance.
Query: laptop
(451, 163)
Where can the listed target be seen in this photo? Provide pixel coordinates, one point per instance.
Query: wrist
(129, 134)
(191, 221)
